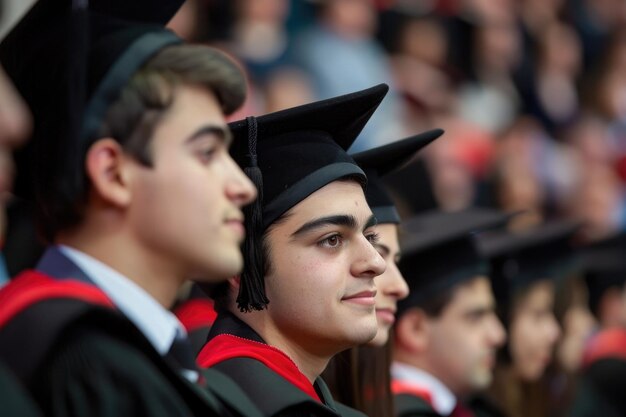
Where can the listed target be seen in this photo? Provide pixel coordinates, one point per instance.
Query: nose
(367, 263)
(239, 188)
(392, 284)
(497, 333)
(15, 119)
(553, 330)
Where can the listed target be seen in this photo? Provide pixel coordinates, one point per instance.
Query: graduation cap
(380, 161)
(439, 251)
(519, 259)
(289, 155)
(144, 11)
(604, 266)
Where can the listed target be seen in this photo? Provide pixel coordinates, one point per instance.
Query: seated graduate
(603, 371)
(525, 268)
(359, 377)
(307, 290)
(604, 270)
(135, 192)
(447, 332)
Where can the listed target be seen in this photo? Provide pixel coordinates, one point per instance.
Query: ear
(106, 166)
(413, 330)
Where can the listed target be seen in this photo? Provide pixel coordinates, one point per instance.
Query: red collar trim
(196, 313)
(32, 286)
(609, 343)
(227, 346)
(402, 387)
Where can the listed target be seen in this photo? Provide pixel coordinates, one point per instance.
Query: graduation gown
(411, 401)
(269, 377)
(85, 358)
(408, 405)
(600, 390)
(14, 401)
(197, 314)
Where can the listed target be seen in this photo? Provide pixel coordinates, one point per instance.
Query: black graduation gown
(14, 401)
(85, 358)
(600, 391)
(197, 314)
(270, 392)
(409, 405)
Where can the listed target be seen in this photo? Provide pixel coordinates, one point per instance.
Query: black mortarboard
(289, 155)
(145, 11)
(604, 266)
(439, 251)
(69, 68)
(382, 160)
(518, 259)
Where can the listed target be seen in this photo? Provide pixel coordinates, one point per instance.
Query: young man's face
(321, 284)
(463, 340)
(186, 207)
(391, 284)
(533, 331)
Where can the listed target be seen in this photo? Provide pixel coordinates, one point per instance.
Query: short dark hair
(132, 118)
(434, 306)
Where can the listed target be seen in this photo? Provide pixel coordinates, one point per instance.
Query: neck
(114, 247)
(309, 362)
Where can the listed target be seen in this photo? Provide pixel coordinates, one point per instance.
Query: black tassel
(252, 284)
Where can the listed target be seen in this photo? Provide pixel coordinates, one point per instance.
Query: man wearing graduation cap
(359, 377)
(604, 270)
(307, 290)
(447, 332)
(136, 192)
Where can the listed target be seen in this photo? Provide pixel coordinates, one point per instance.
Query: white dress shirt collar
(159, 325)
(443, 400)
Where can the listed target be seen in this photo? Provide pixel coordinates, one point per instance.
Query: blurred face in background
(533, 331)
(15, 126)
(391, 285)
(464, 338)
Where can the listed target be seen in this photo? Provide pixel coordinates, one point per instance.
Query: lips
(386, 315)
(363, 298)
(236, 224)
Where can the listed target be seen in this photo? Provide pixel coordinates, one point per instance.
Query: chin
(381, 338)
(366, 335)
(225, 265)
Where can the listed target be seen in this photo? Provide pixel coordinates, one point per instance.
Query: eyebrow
(346, 220)
(480, 311)
(221, 132)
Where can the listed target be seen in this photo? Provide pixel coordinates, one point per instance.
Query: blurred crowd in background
(531, 93)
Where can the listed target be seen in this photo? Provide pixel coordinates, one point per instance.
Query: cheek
(523, 341)
(301, 282)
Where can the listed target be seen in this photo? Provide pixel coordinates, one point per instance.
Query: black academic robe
(79, 356)
(411, 405)
(600, 391)
(412, 402)
(14, 401)
(197, 314)
(275, 392)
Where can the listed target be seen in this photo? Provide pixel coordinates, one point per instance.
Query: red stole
(196, 313)
(401, 387)
(227, 346)
(32, 286)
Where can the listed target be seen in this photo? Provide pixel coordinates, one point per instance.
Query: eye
(331, 242)
(207, 154)
(373, 237)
